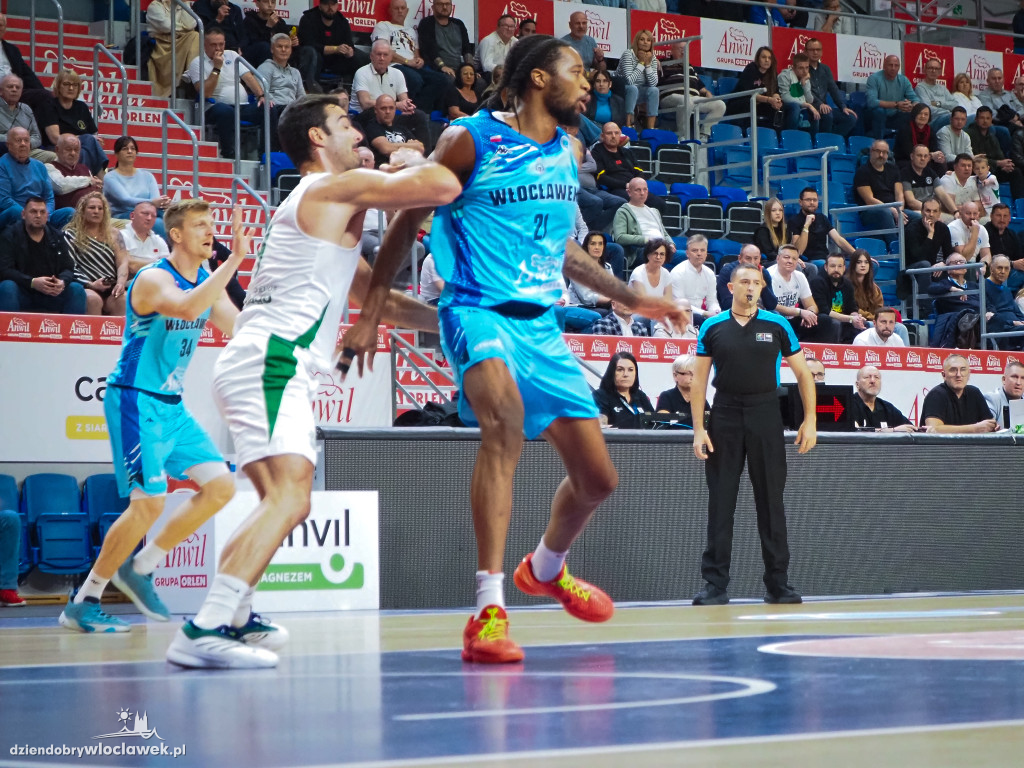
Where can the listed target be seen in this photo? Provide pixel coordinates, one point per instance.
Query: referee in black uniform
(746, 346)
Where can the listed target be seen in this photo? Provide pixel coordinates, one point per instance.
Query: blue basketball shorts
(549, 379)
(153, 437)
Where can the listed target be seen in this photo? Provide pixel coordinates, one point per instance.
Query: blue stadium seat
(1018, 208)
(8, 493)
(842, 168)
(887, 269)
(630, 133)
(767, 141)
(1005, 196)
(872, 245)
(831, 140)
(894, 247)
(102, 504)
(725, 84)
(723, 132)
(837, 194)
(729, 195)
(687, 192)
(707, 82)
(9, 501)
(795, 141)
(847, 222)
(718, 249)
(740, 175)
(656, 187)
(858, 143)
(1017, 225)
(791, 189)
(655, 137)
(52, 506)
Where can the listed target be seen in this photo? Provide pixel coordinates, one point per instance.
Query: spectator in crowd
(759, 14)
(328, 33)
(39, 99)
(651, 277)
(841, 119)
(867, 409)
(921, 182)
(594, 244)
(890, 97)
(935, 94)
(797, 95)
(877, 182)
(597, 205)
(953, 139)
(604, 106)
(794, 14)
(833, 294)
(125, 186)
(70, 177)
(219, 84)
(773, 232)
(15, 114)
(811, 231)
(951, 290)
(882, 333)
(527, 27)
(963, 92)
(984, 142)
(619, 397)
(284, 82)
(426, 85)
(619, 322)
(101, 262)
(1011, 388)
(866, 293)
(1001, 101)
(694, 280)
(142, 245)
(10, 548)
(639, 69)
(585, 45)
(636, 223)
(1017, 97)
(961, 184)
(262, 27)
(493, 49)
(750, 256)
(954, 406)
(444, 40)
(37, 273)
(1001, 311)
(379, 77)
(762, 72)
(186, 43)
(684, 330)
(22, 177)
(927, 241)
(988, 185)
(616, 165)
(431, 283)
(795, 300)
(385, 134)
(918, 132)
(227, 17)
(463, 98)
(75, 118)
(340, 94)
(968, 236)
(1003, 240)
(677, 399)
(673, 84)
(828, 22)
(816, 367)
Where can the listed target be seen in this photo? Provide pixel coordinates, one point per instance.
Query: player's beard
(564, 114)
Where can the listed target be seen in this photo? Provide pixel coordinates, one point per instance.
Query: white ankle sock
(244, 609)
(490, 590)
(220, 605)
(93, 587)
(545, 563)
(148, 559)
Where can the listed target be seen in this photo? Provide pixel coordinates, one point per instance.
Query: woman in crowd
(74, 116)
(186, 43)
(866, 293)
(619, 397)
(125, 186)
(604, 106)
(651, 277)
(462, 99)
(762, 72)
(677, 399)
(639, 67)
(963, 92)
(582, 296)
(772, 233)
(101, 261)
(918, 131)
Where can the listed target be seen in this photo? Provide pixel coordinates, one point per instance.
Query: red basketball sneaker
(580, 599)
(486, 641)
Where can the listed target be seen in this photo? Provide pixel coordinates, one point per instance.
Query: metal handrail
(97, 106)
(32, 35)
(201, 85)
(977, 266)
(237, 182)
(265, 86)
(686, 73)
(170, 114)
(752, 94)
(897, 227)
(803, 153)
(136, 29)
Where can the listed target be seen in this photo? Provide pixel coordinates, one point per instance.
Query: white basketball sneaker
(220, 648)
(262, 633)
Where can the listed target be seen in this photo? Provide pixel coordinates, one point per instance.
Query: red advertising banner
(788, 42)
(1013, 67)
(667, 26)
(541, 11)
(1002, 43)
(916, 55)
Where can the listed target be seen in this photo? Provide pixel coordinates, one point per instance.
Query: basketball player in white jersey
(287, 329)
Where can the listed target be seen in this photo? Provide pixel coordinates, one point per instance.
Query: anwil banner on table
(53, 374)
(730, 45)
(977, 65)
(664, 27)
(541, 11)
(861, 57)
(917, 55)
(609, 26)
(787, 43)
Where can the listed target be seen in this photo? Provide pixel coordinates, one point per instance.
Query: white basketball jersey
(299, 285)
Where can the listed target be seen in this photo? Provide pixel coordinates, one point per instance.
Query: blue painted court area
(415, 705)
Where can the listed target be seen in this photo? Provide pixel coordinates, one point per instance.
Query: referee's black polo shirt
(747, 358)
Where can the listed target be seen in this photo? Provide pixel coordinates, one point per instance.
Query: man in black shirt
(386, 133)
(926, 242)
(329, 34)
(956, 407)
(745, 344)
(1003, 241)
(833, 295)
(921, 182)
(867, 409)
(812, 230)
(616, 166)
(875, 182)
(227, 17)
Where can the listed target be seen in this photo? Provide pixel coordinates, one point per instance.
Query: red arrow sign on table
(836, 409)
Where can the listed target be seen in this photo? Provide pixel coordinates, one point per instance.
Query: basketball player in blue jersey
(501, 248)
(152, 435)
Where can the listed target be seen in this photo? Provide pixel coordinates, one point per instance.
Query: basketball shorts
(153, 437)
(265, 393)
(549, 379)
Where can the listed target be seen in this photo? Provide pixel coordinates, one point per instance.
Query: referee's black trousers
(746, 427)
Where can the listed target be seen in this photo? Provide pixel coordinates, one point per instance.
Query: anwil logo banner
(861, 57)
(728, 45)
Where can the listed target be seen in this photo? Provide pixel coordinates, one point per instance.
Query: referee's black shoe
(784, 595)
(711, 595)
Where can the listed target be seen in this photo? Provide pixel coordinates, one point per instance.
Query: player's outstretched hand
(406, 157)
(806, 437)
(358, 344)
(241, 236)
(660, 309)
(702, 446)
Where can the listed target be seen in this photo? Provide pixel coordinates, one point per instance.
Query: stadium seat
(837, 194)
(705, 217)
(720, 248)
(742, 220)
(791, 189)
(725, 85)
(724, 132)
(655, 137)
(1018, 208)
(795, 141)
(831, 140)
(656, 187)
(872, 245)
(847, 222)
(1017, 225)
(672, 217)
(9, 501)
(675, 163)
(729, 195)
(630, 133)
(767, 141)
(707, 82)
(739, 176)
(101, 503)
(859, 143)
(842, 168)
(52, 507)
(642, 155)
(687, 192)
(1005, 196)
(8, 493)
